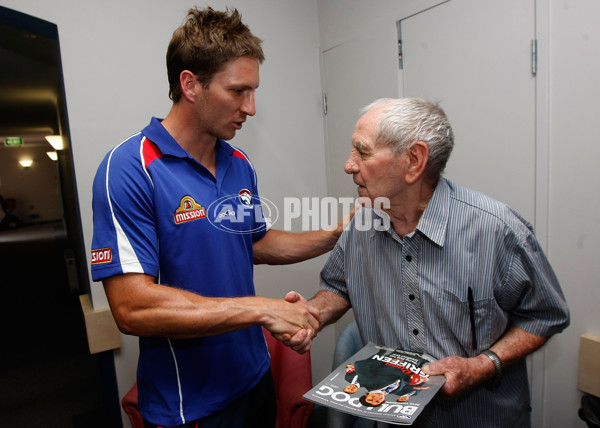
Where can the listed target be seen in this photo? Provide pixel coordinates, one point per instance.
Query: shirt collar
(434, 221)
(167, 145)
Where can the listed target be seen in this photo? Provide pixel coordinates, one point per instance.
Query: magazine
(384, 384)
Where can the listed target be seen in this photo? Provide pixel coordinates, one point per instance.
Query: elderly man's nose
(350, 166)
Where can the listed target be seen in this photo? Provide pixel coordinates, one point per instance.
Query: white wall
(567, 198)
(113, 55)
(574, 198)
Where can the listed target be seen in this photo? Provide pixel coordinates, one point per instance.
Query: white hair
(404, 121)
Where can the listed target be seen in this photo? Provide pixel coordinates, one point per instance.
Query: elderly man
(440, 268)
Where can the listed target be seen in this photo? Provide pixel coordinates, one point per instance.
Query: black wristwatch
(497, 364)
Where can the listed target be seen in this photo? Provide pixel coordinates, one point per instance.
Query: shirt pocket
(458, 319)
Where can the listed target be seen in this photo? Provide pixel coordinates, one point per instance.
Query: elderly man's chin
(365, 198)
(362, 192)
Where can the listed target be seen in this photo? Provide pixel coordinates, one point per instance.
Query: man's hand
(293, 322)
(326, 307)
(344, 222)
(461, 374)
(300, 342)
(465, 373)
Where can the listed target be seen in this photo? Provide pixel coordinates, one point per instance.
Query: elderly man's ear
(416, 158)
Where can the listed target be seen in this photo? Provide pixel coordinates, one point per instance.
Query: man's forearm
(278, 247)
(517, 344)
(465, 373)
(142, 308)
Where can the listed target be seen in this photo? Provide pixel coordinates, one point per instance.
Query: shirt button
(408, 258)
(415, 332)
(411, 297)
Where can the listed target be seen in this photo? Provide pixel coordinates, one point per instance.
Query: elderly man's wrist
(498, 366)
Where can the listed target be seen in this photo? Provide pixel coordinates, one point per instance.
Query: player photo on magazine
(379, 383)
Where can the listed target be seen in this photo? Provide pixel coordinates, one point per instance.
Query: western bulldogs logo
(246, 198)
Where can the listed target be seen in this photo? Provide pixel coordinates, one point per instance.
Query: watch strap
(497, 364)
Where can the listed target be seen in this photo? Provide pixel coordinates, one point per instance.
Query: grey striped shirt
(412, 293)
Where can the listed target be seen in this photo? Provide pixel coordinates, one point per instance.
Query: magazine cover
(379, 383)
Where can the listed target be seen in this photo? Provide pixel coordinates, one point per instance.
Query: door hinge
(534, 55)
(325, 104)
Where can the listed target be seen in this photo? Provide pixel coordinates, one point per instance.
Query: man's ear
(188, 81)
(418, 155)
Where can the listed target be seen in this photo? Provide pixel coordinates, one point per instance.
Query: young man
(177, 228)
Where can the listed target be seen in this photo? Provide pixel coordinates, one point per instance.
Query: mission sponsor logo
(188, 210)
(103, 255)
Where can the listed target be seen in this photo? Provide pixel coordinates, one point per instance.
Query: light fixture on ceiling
(55, 141)
(52, 155)
(26, 163)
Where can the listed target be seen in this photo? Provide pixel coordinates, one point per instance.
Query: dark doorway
(47, 376)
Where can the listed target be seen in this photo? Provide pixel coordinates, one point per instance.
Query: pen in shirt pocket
(472, 317)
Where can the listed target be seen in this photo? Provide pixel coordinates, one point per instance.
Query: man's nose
(248, 106)
(350, 166)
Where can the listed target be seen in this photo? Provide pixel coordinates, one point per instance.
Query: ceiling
(29, 85)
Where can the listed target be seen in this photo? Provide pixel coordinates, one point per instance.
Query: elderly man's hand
(461, 374)
(291, 321)
(301, 341)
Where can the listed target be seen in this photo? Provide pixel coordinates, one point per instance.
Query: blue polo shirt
(158, 211)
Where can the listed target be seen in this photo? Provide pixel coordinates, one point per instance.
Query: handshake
(293, 321)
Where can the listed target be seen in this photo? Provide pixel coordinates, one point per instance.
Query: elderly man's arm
(465, 373)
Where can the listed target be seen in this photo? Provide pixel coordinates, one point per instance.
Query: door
(474, 58)
(351, 82)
